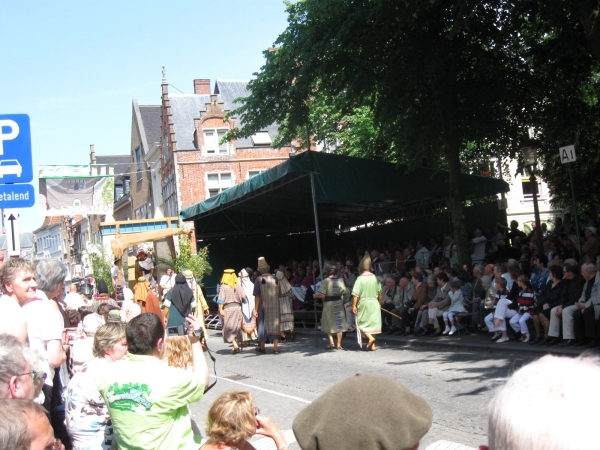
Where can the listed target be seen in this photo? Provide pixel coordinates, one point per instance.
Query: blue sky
(75, 67)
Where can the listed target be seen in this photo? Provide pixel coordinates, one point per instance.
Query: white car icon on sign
(10, 167)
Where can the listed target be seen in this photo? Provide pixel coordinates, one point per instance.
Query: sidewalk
(475, 342)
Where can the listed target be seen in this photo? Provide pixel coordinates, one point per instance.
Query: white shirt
(168, 281)
(44, 324)
(12, 319)
(479, 250)
(74, 300)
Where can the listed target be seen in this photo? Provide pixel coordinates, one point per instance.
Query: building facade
(197, 164)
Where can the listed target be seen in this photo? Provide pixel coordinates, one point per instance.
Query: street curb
(473, 342)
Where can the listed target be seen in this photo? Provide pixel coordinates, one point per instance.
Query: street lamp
(530, 157)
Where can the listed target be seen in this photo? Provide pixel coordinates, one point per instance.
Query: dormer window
(212, 139)
(261, 138)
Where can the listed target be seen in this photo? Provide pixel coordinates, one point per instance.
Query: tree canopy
(422, 80)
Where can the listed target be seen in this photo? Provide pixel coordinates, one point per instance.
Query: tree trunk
(455, 204)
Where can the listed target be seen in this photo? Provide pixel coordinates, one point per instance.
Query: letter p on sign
(13, 132)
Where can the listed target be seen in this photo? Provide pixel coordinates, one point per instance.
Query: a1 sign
(16, 165)
(567, 154)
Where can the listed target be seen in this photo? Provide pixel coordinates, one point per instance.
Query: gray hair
(15, 415)
(590, 268)
(478, 267)
(546, 386)
(12, 361)
(49, 274)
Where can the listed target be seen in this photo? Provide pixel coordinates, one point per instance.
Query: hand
(581, 305)
(267, 427)
(354, 310)
(193, 323)
(206, 312)
(423, 307)
(559, 311)
(256, 314)
(431, 305)
(410, 310)
(546, 306)
(387, 301)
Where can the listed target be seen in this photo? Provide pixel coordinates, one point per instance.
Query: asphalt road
(458, 384)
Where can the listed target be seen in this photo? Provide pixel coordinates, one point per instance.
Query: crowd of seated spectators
(545, 298)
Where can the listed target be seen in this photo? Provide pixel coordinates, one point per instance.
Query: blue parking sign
(16, 165)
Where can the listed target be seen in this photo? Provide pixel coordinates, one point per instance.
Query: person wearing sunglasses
(17, 378)
(233, 419)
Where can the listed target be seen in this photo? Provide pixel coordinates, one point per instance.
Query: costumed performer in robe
(286, 308)
(179, 303)
(333, 320)
(366, 301)
(266, 295)
(244, 289)
(202, 310)
(230, 308)
(143, 296)
(144, 265)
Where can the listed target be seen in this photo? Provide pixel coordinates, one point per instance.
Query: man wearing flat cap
(380, 414)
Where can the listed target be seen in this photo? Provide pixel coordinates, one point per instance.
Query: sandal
(260, 350)
(276, 352)
(235, 351)
(371, 345)
(330, 347)
(339, 347)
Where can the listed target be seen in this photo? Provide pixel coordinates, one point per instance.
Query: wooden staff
(390, 313)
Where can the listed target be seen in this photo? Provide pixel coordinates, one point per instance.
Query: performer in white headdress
(245, 290)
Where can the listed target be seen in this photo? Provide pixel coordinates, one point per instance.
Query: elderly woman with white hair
(333, 320)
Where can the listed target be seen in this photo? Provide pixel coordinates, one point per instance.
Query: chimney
(202, 87)
(92, 154)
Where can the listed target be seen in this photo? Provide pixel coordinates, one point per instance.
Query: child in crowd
(456, 306)
(526, 305)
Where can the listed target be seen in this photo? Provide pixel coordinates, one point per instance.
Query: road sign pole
(13, 242)
(574, 207)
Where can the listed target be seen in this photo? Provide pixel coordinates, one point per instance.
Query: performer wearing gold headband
(333, 320)
(366, 300)
(230, 308)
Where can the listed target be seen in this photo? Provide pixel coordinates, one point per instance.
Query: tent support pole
(314, 201)
(312, 186)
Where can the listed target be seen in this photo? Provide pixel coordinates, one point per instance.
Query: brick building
(196, 165)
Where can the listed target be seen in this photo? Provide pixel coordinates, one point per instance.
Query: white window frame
(214, 148)
(255, 172)
(220, 188)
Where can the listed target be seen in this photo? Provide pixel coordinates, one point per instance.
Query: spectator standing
(167, 282)
(478, 247)
(156, 417)
(50, 276)
(87, 418)
(73, 299)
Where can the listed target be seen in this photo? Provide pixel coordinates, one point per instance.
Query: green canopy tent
(349, 192)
